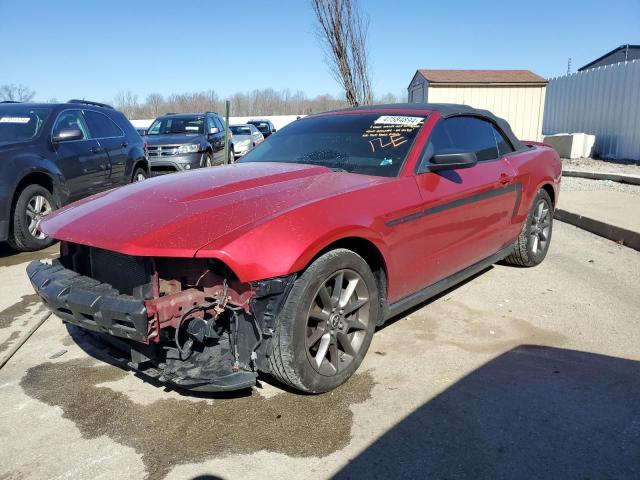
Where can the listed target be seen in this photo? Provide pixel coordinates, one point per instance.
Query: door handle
(504, 178)
(125, 144)
(95, 149)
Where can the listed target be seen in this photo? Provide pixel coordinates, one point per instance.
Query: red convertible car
(286, 262)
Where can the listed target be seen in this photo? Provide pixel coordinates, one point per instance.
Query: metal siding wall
(521, 106)
(603, 101)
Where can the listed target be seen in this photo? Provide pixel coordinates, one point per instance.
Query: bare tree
(16, 93)
(127, 102)
(153, 103)
(342, 31)
(266, 101)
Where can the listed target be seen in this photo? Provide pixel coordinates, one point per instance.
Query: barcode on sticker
(14, 120)
(399, 120)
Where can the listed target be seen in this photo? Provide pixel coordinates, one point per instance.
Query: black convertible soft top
(451, 110)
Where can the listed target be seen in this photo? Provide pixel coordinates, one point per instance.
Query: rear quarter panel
(535, 167)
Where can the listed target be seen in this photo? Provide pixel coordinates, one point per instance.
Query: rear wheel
(533, 243)
(33, 203)
(326, 324)
(139, 175)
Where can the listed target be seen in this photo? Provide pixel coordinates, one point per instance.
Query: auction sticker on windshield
(14, 120)
(399, 120)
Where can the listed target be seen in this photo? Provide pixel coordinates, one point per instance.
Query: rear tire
(139, 175)
(34, 202)
(323, 333)
(532, 245)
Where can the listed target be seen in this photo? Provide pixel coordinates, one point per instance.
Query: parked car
(245, 138)
(185, 141)
(288, 260)
(265, 127)
(53, 154)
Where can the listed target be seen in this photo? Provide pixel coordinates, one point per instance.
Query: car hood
(173, 139)
(175, 215)
(240, 138)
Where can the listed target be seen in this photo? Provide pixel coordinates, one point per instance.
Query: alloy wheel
(540, 227)
(337, 322)
(37, 207)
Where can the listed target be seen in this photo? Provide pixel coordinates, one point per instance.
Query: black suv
(53, 154)
(265, 127)
(184, 141)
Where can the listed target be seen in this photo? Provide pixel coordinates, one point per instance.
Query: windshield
(240, 130)
(21, 123)
(366, 143)
(263, 127)
(177, 125)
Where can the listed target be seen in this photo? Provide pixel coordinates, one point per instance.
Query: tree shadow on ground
(532, 412)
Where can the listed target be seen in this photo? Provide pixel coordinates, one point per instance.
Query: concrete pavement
(518, 373)
(611, 214)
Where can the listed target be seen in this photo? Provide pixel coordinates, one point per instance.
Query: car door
(256, 135)
(83, 162)
(217, 140)
(113, 141)
(466, 212)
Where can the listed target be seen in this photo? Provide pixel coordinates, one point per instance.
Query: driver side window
(466, 134)
(71, 119)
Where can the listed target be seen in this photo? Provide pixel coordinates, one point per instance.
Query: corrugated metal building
(602, 101)
(623, 53)
(516, 95)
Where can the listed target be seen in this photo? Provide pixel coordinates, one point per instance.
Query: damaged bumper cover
(88, 303)
(226, 360)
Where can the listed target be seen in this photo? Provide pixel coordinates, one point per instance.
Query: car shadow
(532, 412)
(427, 302)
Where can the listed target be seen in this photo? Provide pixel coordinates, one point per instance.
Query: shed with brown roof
(515, 95)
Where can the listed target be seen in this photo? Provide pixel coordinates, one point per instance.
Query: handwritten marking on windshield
(394, 140)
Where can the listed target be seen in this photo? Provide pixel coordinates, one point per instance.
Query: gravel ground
(576, 184)
(600, 166)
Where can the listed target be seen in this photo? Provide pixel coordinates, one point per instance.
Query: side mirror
(67, 135)
(273, 130)
(214, 130)
(450, 160)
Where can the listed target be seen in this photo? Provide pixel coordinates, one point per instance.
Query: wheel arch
(141, 163)
(371, 254)
(36, 178)
(547, 187)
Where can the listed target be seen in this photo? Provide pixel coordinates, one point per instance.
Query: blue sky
(94, 49)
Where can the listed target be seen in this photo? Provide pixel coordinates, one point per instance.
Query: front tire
(326, 324)
(33, 203)
(208, 160)
(532, 245)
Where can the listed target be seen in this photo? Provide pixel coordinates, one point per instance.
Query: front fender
(281, 253)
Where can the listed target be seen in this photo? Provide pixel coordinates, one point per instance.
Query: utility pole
(226, 132)
(569, 66)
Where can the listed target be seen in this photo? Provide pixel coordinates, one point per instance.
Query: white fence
(278, 121)
(603, 101)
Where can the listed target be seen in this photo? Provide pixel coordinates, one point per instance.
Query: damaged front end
(184, 321)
